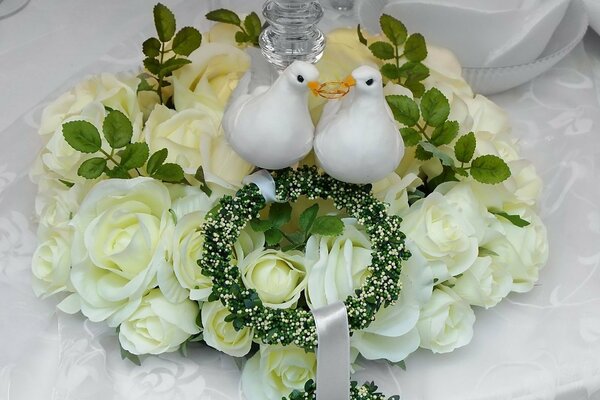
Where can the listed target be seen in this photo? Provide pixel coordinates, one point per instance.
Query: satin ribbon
(333, 352)
(265, 183)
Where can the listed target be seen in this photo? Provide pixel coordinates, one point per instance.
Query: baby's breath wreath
(297, 326)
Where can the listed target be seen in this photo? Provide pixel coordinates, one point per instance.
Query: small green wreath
(297, 326)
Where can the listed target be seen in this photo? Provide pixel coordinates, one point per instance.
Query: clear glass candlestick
(342, 5)
(292, 33)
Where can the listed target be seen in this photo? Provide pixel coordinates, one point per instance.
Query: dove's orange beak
(349, 81)
(314, 87)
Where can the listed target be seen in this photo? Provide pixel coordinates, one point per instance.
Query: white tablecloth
(540, 345)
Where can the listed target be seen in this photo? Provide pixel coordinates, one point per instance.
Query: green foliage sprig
(249, 28)
(124, 157)
(427, 127)
(400, 47)
(368, 391)
(161, 60)
(309, 221)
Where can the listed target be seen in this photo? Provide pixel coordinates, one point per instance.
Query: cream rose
(485, 284)
(119, 248)
(194, 138)
(446, 321)
(56, 203)
(336, 265)
(445, 73)
(209, 80)
(520, 251)
(393, 190)
(442, 233)
(222, 335)
(105, 89)
(488, 116)
(276, 371)
(51, 263)
(278, 277)
(158, 326)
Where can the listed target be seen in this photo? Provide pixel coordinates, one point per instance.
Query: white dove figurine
(357, 140)
(271, 127)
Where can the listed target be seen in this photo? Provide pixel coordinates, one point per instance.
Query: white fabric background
(540, 345)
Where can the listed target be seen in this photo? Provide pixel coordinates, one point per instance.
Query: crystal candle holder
(292, 33)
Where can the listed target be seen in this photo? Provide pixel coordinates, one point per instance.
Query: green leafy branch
(427, 127)
(161, 60)
(125, 158)
(310, 224)
(250, 28)
(399, 48)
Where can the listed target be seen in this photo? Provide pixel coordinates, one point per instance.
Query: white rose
(276, 371)
(119, 247)
(158, 326)
(485, 284)
(222, 335)
(51, 263)
(394, 334)
(194, 138)
(488, 116)
(56, 203)
(336, 265)
(520, 251)
(278, 277)
(105, 89)
(393, 190)
(445, 73)
(446, 321)
(442, 233)
(210, 78)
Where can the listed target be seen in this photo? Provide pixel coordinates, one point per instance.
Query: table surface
(541, 345)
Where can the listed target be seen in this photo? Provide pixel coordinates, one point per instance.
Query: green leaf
(169, 172)
(401, 364)
(134, 155)
(465, 147)
(410, 136)
(434, 107)
(422, 154)
(260, 225)
(393, 29)
(415, 48)
(390, 71)
(144, 86)
(92, 168)
(516, 220)
(438, 153)
(489, 169)
(241, 37)
(199, 175)
(117, 129)
(483, 252)
(171, 65)
(66, 183)
(307, 218)
(152, 65)
(280, 214)
(125, 355)
(417, 88)
(273, 236)
(225, 16)
(414, 71)
(117, 172)
(447, 175)
(382, 50)
(186, 41)
(361, 37)
(328, 225)
(164, 20)
(253, 25)
(405, 109)
(445, 133)
(83, 136)
(156, 160)
(151, 47)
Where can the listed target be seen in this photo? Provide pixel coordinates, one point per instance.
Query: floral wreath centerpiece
(151, 219)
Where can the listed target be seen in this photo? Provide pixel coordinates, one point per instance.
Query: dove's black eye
(300, 78)
(369, 82)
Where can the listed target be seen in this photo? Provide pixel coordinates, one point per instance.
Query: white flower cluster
(126, 251)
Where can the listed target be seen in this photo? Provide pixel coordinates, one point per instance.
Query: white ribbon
(265, 183)
(333, 352)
